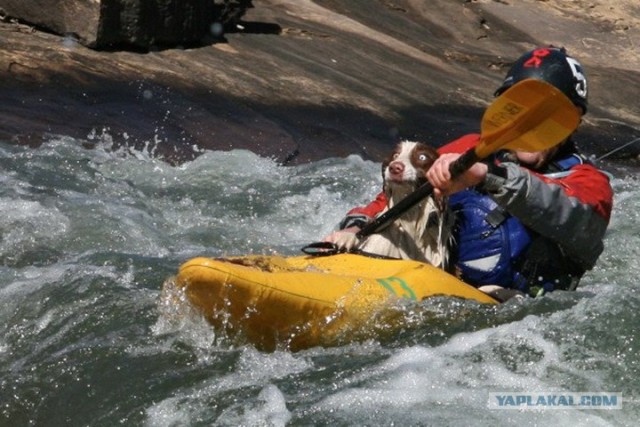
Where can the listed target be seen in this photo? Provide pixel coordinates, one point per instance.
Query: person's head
(554, 66)
(535, 160)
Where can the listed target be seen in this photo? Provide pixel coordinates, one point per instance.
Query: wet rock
(137, 24)
(300, 80)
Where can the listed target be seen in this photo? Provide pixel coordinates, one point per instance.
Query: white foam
(268, 409)
(253, 369)
(458, 375)
(27, 224)
(169, 412)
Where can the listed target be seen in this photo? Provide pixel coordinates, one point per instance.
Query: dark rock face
(138, 24)
(300, 80)
(81, 17)
(158, 22)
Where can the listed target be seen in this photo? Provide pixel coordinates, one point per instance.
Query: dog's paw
(344, 240)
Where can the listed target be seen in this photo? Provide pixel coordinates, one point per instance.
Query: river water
(90, 234)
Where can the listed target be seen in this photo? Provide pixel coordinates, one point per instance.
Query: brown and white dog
(422, 233)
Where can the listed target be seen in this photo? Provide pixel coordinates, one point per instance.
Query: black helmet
(554, 66)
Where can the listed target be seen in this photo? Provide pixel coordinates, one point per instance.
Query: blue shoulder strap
(570, 161)
(562, 167)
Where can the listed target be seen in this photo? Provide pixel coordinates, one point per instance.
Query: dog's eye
(423, 157)
(395, 156)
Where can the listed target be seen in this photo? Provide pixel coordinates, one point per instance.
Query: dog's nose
(396, 168)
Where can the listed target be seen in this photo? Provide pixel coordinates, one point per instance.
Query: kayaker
(526, 222)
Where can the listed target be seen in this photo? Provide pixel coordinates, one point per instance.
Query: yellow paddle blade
(532, 115)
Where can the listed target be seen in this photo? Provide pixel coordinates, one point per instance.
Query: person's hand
(440, 177)
(344, 239)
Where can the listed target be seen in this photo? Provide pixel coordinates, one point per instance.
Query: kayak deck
(305, 301)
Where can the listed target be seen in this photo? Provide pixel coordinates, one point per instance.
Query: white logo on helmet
(581, 80)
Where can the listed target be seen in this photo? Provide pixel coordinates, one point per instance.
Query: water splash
(90, 231)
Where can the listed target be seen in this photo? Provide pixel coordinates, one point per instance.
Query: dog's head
(423, 231)
(407, 164)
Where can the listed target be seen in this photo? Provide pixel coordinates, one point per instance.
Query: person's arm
(573, 211)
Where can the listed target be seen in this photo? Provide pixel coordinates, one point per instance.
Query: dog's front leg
(345, 239)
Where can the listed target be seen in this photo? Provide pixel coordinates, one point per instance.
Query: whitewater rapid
(89, 236)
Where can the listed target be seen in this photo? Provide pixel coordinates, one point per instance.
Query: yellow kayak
(306, 301)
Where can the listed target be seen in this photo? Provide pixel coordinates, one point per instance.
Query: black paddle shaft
(456, 169)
